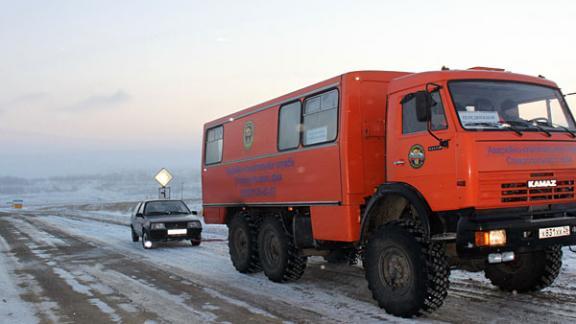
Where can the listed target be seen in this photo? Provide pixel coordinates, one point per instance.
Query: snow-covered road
(70, 265)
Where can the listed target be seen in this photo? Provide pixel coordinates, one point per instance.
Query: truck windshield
(496, 105)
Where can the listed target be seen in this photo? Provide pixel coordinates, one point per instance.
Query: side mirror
(424, 103)
(139, 215)
(194, 213)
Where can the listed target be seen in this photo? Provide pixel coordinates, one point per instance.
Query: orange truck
(413, 174)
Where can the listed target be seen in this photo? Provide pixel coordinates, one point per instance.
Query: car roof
(151, 200)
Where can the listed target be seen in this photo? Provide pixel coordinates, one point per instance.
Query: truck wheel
(146, 243)
(279, 256)
(242, 243)
(407, 274)
(528, 272)
(134, 235)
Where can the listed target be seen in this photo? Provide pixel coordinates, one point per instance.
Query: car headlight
(157, 226)
(194, 225)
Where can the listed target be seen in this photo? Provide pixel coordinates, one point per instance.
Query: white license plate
(554, 232)
(180, 231)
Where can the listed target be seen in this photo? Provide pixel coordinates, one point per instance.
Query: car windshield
(495, 105)
(170, 207)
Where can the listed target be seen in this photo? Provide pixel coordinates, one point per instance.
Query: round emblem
(248, 136)
(416, 157)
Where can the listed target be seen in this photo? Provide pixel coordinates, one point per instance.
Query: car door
(140, 219)
(414, 156)
(133, 216)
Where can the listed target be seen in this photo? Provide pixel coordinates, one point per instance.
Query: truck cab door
(414, 156)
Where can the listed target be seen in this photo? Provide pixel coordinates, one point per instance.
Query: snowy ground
(76, 263)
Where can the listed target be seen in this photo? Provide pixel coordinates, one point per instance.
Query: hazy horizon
(96, 87)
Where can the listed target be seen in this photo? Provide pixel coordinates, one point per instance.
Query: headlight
(157, 226)
(194, 225)
(490, 238)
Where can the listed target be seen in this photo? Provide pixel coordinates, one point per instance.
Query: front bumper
(522, 233)
(161, 235)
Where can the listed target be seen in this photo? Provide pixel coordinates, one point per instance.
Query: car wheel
(135, 237)
(146, 243)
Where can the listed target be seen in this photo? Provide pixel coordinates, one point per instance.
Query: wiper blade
(498, 125)
(568, 130)
(526, 123)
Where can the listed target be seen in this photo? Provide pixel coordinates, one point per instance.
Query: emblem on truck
(248, 135)
(416, 157)
(541, 183)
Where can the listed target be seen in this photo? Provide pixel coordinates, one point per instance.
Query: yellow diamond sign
(163, 177)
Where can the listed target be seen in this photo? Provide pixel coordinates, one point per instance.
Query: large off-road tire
(278, 255)
(134, 235)
(406, 272)
(528, 272)
(242, 243)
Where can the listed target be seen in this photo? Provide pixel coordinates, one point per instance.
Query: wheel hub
(241, 243)
(395, 269)
(272, 250)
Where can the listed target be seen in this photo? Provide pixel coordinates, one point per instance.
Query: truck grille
(519, 192)
(510, 189)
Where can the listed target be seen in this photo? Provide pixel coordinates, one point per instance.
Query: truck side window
(214, 143)
(289, 126)
(410, 123)
(321, 118)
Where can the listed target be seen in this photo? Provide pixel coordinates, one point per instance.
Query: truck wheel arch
(393, 198)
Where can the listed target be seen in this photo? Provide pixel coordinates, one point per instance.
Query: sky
(101, 86)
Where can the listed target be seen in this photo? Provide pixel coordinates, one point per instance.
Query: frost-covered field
(99, 188)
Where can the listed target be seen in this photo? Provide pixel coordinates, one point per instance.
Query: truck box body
(332, 177)
(335, 174)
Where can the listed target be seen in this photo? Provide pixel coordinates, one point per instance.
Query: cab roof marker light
(484, 68)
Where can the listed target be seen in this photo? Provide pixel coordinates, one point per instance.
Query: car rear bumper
(522, 233)
(163, 236)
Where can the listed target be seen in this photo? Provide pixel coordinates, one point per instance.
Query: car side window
(410, 123)
(135, 211)
(141, 209)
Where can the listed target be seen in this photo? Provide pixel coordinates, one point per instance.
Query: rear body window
(289, 126)
(214, 145)
(320, 119)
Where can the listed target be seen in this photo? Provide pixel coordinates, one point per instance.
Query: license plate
(554, 232)
(180, 231)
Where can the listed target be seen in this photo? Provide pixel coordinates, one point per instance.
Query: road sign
(163, 177)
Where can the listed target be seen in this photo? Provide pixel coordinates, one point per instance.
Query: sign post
(163, 177)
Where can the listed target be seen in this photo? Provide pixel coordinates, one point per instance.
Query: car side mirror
(194, 213)
(424, 103)
(139, 215)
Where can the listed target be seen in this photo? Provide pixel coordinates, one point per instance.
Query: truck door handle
(399, 162)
